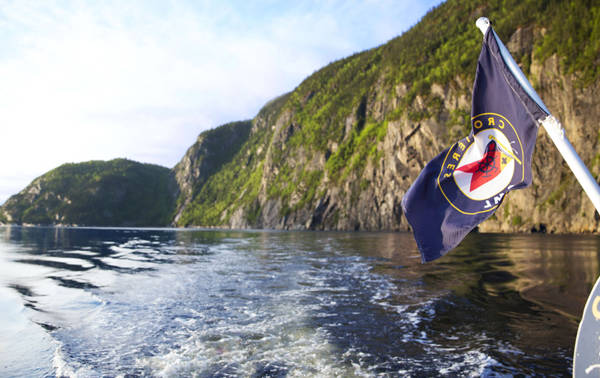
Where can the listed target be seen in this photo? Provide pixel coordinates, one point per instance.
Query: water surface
(163, 302)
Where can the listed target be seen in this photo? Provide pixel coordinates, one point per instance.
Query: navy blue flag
(465, 184)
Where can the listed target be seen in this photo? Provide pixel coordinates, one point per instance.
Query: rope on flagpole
(551, 124)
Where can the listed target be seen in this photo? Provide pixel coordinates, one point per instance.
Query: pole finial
(483, 24)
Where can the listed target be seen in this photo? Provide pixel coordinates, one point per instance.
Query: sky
(98, 80)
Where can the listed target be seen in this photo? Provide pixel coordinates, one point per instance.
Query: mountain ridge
(118, 192)
(340, 150)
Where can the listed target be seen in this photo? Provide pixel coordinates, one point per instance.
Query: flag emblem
(478, 170)
(488, 168)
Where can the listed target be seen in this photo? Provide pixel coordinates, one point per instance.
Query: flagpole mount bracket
(483, 24)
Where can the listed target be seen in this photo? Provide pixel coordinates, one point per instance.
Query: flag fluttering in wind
(465, 184)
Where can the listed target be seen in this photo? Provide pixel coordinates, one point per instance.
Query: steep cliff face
(340, 151)
(556, 201)
(226, 193)
(212, 150)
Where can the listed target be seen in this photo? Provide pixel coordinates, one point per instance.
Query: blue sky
(86, 80)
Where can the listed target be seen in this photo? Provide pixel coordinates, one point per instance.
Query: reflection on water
(170, 302)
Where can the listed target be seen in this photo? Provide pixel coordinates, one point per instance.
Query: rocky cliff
(212, 150)
(339, 152)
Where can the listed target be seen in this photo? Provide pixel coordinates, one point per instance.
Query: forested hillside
(119, 192)
(340, 150)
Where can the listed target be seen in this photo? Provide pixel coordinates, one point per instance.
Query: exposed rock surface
(341, 149)
(369, 199)
(212, 149)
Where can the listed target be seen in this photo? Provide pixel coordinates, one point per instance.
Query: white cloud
(139, 79)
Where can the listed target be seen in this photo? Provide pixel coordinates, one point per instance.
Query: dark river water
(163, 302)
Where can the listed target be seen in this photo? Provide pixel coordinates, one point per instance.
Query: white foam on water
(471, 363)
(242, 350)
(260, 331)
(232, 309)
(62, 368)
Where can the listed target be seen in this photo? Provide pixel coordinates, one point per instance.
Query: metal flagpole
(587, 349)
(551, 124)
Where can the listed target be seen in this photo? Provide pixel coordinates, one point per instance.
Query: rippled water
(161, 302)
